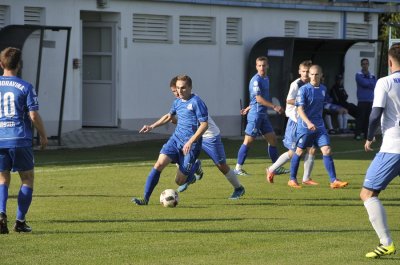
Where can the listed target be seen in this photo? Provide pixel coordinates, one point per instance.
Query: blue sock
(3, 198)
(151, 183)
(242, 154)
(24, 201)
(273, 153)
(191, 178)
(330, 167)
(294, 166)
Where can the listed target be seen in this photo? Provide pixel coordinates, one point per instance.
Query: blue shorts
(259, 125)
(173, 149)
(383, 169)
(214, 148)
(16, 159)
(312, 138)
(289, 141)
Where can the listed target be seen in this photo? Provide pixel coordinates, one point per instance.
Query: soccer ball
(169, 198)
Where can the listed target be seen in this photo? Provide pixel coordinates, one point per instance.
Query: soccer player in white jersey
(311, 129)
(19, 110)
(184, 146)
(289, 141)
(386, 164)
(214, 148)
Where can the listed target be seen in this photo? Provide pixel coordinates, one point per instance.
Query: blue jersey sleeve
(31, 99)
(172, 110)
(201, 111)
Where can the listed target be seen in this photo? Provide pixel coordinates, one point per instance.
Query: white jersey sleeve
(290, 110)
(212, 130)
(387, 96)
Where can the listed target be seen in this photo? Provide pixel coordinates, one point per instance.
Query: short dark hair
(364, 59)
(172, 83)
(10, 58)
(394, 52)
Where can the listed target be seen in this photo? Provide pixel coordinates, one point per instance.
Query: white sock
(232, 178)
(308, 166)
(280, 161)
(238, 167)
(377, 217)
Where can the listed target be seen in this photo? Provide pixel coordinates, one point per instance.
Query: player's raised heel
(281, 170)
(139, 201)
(237, 193)
(3, 224)
(22, 227)
(270, 175)
(381, 250)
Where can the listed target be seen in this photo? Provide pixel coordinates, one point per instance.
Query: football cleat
(20, 226)
(381, 250)
(270, 175)
(199, 171)
(139, 201)
(183, 187)
(190, 180)
(3, 224)
(337, 184)
(281, 170)
(241, 172)
(237, 193)
(293, 183)
(310, 182)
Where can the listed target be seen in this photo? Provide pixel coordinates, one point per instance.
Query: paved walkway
(95, 137)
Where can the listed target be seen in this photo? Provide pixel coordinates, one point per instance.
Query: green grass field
(82, 214)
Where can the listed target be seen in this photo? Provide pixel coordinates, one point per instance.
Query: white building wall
(145, 69)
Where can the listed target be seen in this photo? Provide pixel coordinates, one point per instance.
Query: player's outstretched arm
(163, 120)
(38, 123)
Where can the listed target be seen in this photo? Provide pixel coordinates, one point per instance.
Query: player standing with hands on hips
(386, 164)
(18, 111)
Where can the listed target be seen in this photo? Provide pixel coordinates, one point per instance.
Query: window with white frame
(152, 28)
(291, 28)
(233, 30)
(196, 30)
(323, 30)
(358, 31)
(4, 16)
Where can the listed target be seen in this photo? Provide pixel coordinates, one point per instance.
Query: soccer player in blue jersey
(18, 111)
(386, 164)
(184, 146)
(289, 141)
(311, 129)
(257, 117)
(365, 96)
(212, 145)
